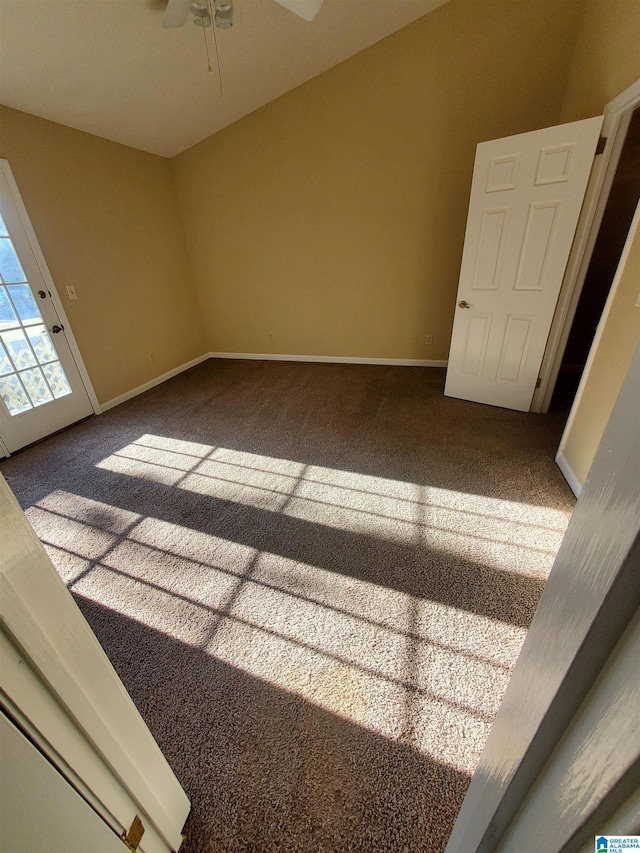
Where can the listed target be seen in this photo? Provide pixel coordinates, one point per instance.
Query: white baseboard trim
(567, 473)
(331, 359)
(128, 395)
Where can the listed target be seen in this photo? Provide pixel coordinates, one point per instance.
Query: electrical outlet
(270, 336)
(152, 358)
(71, 292)
(428, 339)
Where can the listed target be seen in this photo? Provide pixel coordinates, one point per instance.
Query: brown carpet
(314, 580)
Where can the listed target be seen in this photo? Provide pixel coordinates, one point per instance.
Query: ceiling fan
(178, 11)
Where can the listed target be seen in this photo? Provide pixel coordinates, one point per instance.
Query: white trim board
(128, 395)
(574, 484)
(331, 359)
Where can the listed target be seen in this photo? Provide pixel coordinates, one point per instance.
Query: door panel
(476, 344)
(526, 196)
(494, 227)
(535, 247)
(514, 349)
(41, 390)
(39, 810)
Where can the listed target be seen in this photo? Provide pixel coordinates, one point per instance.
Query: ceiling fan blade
(305, 9)
(176, 14)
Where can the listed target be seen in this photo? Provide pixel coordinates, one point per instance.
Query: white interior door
(526, 195)
(41, 389)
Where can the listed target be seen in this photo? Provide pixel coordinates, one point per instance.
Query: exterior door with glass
(41, 389)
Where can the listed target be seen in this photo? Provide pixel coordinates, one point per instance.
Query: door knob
(463, 304)
(57, 329)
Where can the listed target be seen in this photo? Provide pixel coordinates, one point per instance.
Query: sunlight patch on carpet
(508, 535)
(407, 668)
(290, 596)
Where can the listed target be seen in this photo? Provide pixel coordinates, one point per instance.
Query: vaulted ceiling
(109, 67)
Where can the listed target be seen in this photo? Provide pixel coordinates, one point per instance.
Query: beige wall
(328, 222)
(331, 221)
(606, 59)
(108, 223)
(610, 362)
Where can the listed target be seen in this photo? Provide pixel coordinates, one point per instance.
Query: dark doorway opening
(618, 214)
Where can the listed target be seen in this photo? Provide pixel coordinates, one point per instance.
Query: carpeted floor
(314, 580)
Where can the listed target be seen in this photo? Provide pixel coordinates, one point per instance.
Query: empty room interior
(299, 448)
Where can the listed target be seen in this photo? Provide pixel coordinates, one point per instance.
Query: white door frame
(617, 115)
(57, 683)
(55, 298)
(570, 477)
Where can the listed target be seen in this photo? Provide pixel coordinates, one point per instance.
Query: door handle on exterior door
(463, 304)
(57, 329)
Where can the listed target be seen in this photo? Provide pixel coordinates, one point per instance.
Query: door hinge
(132, 838)
(601, 145)
(539, 382)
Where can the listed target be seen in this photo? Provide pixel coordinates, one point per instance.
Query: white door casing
(40, 418)
(617, 117)
(526, 195)
(56, 680)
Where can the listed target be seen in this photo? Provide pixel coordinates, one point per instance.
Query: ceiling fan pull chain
(215, 41)
(206, 47)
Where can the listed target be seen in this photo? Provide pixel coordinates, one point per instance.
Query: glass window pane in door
(31, 374)
(10, 267)
(41, 343)
(14, 395)
(18, 348)
(24, 303)
(36, 385)
(57, 379)
(8, 316)
(5, 363)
